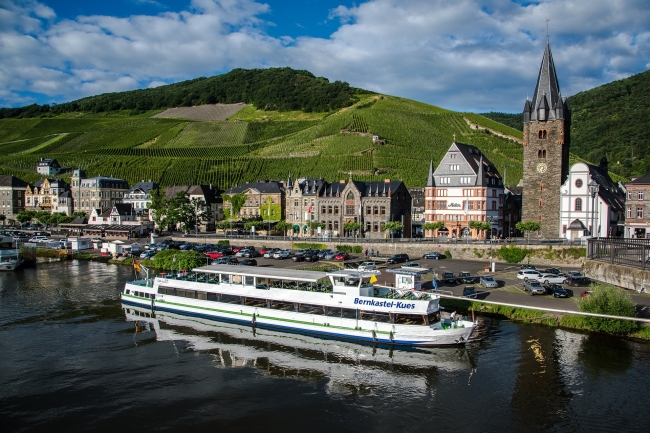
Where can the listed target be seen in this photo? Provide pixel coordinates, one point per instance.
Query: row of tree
(44, 217)
(482, 226)
(179, 211)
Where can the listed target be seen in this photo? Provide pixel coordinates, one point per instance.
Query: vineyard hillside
(256, 144)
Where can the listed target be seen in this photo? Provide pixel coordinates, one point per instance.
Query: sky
(467, 55)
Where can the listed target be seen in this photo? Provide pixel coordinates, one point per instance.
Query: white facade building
(581, 214)
(465, 187)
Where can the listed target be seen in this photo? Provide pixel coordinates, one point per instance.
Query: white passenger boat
(339, 305)
(10, 259)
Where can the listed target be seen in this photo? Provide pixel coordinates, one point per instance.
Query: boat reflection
(347, 367)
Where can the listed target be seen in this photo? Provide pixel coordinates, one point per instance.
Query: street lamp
(491, 221)
(593, 190)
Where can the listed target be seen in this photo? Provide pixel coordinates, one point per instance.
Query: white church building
(591, 203)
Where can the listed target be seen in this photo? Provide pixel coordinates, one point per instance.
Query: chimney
(386, 180)
(342, 181)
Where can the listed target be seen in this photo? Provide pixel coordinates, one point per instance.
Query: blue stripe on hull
(328, 335)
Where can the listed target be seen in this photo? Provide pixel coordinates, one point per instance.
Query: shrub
(357, 249)
(184, 260)
(511, 254)
(612, 301)
(448, 254)
(224, 242)
(344, 248)
(478, 253)
(304, 245)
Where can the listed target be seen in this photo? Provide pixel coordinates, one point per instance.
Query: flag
(373, 279)
(309, 209)
(136, 266)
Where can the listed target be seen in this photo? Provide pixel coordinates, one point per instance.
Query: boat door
(404, 281)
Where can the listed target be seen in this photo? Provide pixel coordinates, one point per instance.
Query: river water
(72, 358)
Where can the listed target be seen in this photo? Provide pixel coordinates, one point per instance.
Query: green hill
(607, 120)
(257, 144)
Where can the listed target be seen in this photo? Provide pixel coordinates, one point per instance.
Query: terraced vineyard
(228, 152)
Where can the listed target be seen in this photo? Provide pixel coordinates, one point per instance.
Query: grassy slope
(256, 145)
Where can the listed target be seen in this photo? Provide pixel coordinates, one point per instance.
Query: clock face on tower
(541, 167)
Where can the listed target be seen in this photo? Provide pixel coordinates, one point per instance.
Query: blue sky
(474, 55)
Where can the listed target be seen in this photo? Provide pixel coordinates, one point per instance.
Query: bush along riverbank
(602, 300)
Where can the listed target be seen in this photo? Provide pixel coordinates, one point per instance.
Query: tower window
(541, 203)
(541, 153)
(578, 205)
(541, 187)
(542, 134)
(578, 183)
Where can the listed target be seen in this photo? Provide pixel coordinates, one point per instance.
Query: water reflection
(348, 368)
(601, 353)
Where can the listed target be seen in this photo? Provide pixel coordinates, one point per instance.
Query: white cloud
(466, 54)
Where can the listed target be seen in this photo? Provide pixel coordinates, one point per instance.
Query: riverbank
(537, 317)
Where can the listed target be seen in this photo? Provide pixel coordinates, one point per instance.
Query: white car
(38, 239)
(282, 254)
(528, 274)
(367, 266)
(552, 278)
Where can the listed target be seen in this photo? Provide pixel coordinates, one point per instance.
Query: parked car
(298, 258)
(214, 254)
(38, 239)
(552, 278)
(270, 251)
(323, 253)
(367, 266)
(526, 274)
(465, 278)
(449, 277)
(147, 254)
(282, 254)
(332, 254)
(574, 274)
(431, 256)
(488, 282)
(251, 254)
(578, 281)
(311, 257)
(534, 287)
(231, 260)
(557, 291)
(342, 256)
(398, 258)
(555, 271)
(411, 265)
(248, 262)
(534, 268)
(469, 292)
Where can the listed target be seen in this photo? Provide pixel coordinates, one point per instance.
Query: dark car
(534, 268)
(555, 271)
(313, 257)
(431, 256)
(298, 258)
(248, 262)
(465, 278)
(578, 281)
(252, 253)
(398, 258)
(226, 261)
(557, 291)
(469, 292)
(449, 277)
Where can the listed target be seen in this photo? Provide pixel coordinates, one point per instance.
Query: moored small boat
(10, 259)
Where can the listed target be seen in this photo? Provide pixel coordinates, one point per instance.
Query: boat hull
(365, 331)
(10, 265)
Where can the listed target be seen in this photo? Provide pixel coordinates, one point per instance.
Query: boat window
(225, 278)
(339, 281)
(262, 281)
(352, 282)
(128, 291)
(212, 297)
(202, 295)
(236, 279)
(249, 281)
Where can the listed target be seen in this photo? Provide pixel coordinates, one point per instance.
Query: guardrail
(634, 253)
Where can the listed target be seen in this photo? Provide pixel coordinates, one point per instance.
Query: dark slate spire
(430, 182)
(479, 173)
(289, 183)
(547, 91)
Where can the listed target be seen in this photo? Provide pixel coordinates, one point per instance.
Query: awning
(444, 229)
(305, 227)
(576, 225)
(296, 228)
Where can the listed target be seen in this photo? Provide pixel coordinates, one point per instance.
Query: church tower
(547, 122)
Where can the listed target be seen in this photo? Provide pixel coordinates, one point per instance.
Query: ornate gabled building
(333, 204)
(465, 187)
(140, 196)
(51, 195)
(96, 192)
(546, 140)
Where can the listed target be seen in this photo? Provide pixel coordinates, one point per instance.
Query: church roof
(547, 94)
(430, 180)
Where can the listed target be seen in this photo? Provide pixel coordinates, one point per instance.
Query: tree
(250, 224)
(223, 225)
(3, 218)
(236, 202)
(480, 225)
(433, 225)
(314, 225)
(392, 227)
(612, 301)
(25, 216)
(158, 209)
(178, 211)
(528, 226)
(284, 226)
(352, 226)
(200, 211)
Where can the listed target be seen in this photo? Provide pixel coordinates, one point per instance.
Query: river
(72, 358)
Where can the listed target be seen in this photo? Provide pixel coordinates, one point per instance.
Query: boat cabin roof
(354, 273)
(409, 271)
(251, 271)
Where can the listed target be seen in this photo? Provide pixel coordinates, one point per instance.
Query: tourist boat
(345, 365)
(342, 304)
(10, 259)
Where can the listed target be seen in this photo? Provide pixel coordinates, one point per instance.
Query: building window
(323, 210)
(368, 226)
(441, 205)
(442, 193)
(541, 203)
(494, 205)
(383, 210)
(578, 183)
(639, 212)
(629, 195)
(368, 210)
(541, 154)
(542, 134)
(639, 195)
(454, 167)
(578, 204)
(629, 212)
(541, 187)
(336, 210)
